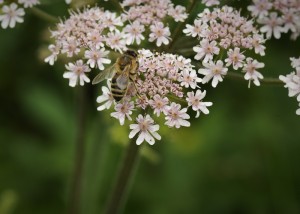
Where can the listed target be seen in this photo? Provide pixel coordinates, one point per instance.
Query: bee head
(131, 53)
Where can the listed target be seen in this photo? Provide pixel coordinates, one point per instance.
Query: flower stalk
(76, 185)
(264, 81)
(124, 179)
(43, 15)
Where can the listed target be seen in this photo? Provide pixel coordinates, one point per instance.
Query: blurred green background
(241, 158)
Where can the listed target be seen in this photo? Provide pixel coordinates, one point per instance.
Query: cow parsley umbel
(167, 87)
(225, 40)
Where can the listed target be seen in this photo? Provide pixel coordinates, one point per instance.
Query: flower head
(159, 33)
(146, 128)
(11, 15)
(145, 14)
(123, 110)
(214, 71)
(96, 57)
(195, 101)
(176, 116)
(76, 73)
(106, 99)
(251, 72)
(164, 86)
(223, 29)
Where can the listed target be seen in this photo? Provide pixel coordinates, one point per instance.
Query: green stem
(171, 96)
(76, 185)
(43, 15)
(180, 26)
(265, 81)
(124, 179)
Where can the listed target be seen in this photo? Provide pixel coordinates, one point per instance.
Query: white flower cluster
(86, 35)
(225, 39)
(277, 16)
(150, 13)
(94, 31)
(164, 82)
(292, 81)
(13, 13)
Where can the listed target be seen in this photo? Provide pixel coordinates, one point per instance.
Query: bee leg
(137, 92)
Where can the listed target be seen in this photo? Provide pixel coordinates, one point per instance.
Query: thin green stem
(176, 98)
(180, 26)
(76, 185)
(265, 81)
(43, 15)
(124, 179)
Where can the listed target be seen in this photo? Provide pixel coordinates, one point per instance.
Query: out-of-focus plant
(157, 84)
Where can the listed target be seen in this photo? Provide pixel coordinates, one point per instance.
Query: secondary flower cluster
(150, 13)
(164, 82)
(94, 31)
(292, 81)
(225, 39)
(89, 34)
(13, 13)
(277, 16)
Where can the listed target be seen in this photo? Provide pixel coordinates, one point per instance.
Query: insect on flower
(121, 74)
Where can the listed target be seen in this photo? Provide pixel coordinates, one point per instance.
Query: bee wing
(106, 74)
(122, 81)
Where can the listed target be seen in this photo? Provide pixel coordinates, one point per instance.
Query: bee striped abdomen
(116, 92)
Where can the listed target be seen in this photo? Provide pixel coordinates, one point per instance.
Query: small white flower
(70, 46)
(159, 104)
(206, 50)
(260, 8)
(213, 71)
(195, 100)
(176, 116)
(123, 110)
(258, 47)
(235, 57)
(77, 72)
(106, 99)
(272, 25)
(53, 57)
(95, 39)
(133, 32)
(159, 33)
(29, 3)
(178, 13)
(146, 128)
(189, 79)
(251, 72)
(111, 20)
(97, 58)
(292, 82)
(198, 29)
(295, 62)
(68, 1)
(11, 15)
(116, 41)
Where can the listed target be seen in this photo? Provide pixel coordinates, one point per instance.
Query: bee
(121, 73)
